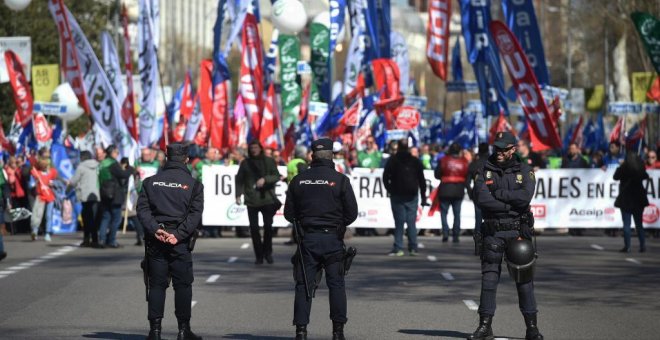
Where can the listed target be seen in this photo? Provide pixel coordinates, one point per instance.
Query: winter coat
(86, 181)
(404, 175)
(632, 194)
(250, 170)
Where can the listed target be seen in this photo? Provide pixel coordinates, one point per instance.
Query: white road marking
(471, 305)
(629, 259)
(448, 276)
(7, 272)
(245, 246)
(597, 247)
(27, 264)
(48, 257)
(213, 278)
(57, 253)
(37, 261)
(420, 245)
(1, 276)
(232, 259)
(432, 258)
(41, 259)
(192, 304)
(15, 268)
(501, 339)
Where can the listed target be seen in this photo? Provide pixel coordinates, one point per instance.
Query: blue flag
(463, 130)
(337, 14)
(330, 119)
(383, 11)
(61, 161)
(521, 19)
(304, 132)
(456, 66)
(173, 109)
(378, 131)
(594, 134)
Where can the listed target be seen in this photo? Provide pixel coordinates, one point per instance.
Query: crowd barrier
(566, 198)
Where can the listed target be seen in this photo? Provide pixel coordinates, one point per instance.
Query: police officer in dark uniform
(170, 209)
(503, 190)
(322, 203)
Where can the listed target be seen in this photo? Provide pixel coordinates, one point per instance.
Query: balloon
(323, 18)
(17, 5)
(289, 16)
(64, 94)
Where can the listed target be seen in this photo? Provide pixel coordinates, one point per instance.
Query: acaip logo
(234, 211)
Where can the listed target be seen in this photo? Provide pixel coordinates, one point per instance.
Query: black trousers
(316, 250)
(265, 247)
(491, 268)
(164, 262)
(90, 223)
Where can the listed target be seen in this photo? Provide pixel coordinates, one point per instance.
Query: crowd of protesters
(101, 181)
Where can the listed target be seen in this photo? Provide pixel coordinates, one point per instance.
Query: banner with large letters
(564, 198)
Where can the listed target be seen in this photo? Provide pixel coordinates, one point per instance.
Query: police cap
(504, 139)
(322, 144)
(177, 152)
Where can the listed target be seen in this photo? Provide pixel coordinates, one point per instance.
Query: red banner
(69, 65)
(187, 99)
(204, 91)
(437, 36)
(500, 125)
(407, 117)
(268, 130)
(219, 112)
(128, 106)
(251, 82)
(527, 88)
(22, 93)
(41, 128)
(386, 73)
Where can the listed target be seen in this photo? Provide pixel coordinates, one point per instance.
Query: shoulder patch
(532, 176)
(489, 174)
(519, 178)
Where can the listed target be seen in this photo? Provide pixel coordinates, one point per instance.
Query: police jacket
(452, 172)
(174, 198)
(320, 196)
(504, 191)
(473, 169)
(403, 175)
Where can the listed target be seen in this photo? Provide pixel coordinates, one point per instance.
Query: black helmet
(521, 260)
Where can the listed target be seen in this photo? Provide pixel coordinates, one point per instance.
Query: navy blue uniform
(174, 199)
(323, 201)
(503, 192)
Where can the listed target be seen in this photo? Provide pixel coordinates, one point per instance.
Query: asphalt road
(585, 289)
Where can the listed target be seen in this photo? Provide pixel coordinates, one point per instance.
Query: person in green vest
(371, 156)
(211, 157)
(297, 164)
(113, 195)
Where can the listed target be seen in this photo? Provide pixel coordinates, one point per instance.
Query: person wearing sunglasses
(503, 190)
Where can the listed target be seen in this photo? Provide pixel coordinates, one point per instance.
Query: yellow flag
(641, 82)
(597, 98)
(45, 79)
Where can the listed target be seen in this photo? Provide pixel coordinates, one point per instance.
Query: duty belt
(496, 225)
(321, 230)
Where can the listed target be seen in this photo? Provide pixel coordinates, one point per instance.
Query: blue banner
(521, 19)
(372, 50)
(383, 11)
(217, 28)
(594, 135)
(337, 14)
(483, 56)
(60, 158)
(456, 66)
(330, 119)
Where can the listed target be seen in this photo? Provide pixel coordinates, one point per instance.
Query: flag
(193, 123)
(239, 133)
(575, 133)
(271, 56)
(330, 119)
(128, 106)
(348, 120)
(219, 112)
(386, 74)
(205, 93)
(527, 88)
(337, 14)
(616, 134)
(594, 134)
(111, 65)
(69, 63)
(238, 11)
(384, 20)
(149, 76)
(354, 58)
(636, 134)
(251, 81)
(500, 125)
(456, 66)
(320, 61)
(289, 49)
(648, 28)
(289, 142)
(400, 56)
(21, 87)
(187, 100)
(269, 124)
(437, 36)
(654, 91)
(464, 130)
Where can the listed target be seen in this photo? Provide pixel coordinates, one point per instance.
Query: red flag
(407, 117)
(435, 202)
(22, 93)
(6, 144)
(349, 120)
(219, 111)
(577, 133)
(615, 135)
(638, 134)
(69, 64)
(527, 88)
(42, 131)
(500, 125)
(187, 98)
(128, 106)
(360, 86)
(202, 136)
(205, 98)
(654, 92)
(289, 142)
(386, 74)
(251, 81)
(555, 108)
(268, 130)
(437, 36)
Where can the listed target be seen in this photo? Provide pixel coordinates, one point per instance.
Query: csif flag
(111, 65)
(251, 76)
(21, 87)
(437, 36)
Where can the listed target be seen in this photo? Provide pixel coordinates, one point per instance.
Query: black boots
(532, 329)
(484, 331)
(185, 333)
(301, 332)
(338, 331)
(154, 329)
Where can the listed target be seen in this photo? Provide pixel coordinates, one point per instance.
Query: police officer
(170, 209)
(322, 200)
(503, 190)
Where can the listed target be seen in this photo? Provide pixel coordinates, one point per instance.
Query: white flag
(111, 65)
(150, 127)
(400, 55)
(193, 123)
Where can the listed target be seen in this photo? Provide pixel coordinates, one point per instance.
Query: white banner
(22, 46)
(111, 65)
(150, 127)
(581, 198)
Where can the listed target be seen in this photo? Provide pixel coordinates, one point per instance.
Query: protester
(17, 195)
(370, 157)
(5, 194)
(402, 177)
(42, 176)
(86, 183)
(613, 158)
(452, 173)
(425, 156)
(528, 156)
(212, 157)
(574, 159)
(632, 198)
(652, 162)
(113, 196)
(596, 160)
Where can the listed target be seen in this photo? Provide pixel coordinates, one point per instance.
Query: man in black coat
(170, 208)
(404, 180)
(322, 200)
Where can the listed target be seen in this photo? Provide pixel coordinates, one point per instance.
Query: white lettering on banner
(439, 27)
(582, 198)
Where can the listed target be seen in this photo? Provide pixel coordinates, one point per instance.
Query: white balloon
(17, 5)
(64, 94)
(323, 18)
(289, 16)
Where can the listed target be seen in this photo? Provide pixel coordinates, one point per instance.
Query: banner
(521, 18)
(566, 198)
(69, 63)
(219, 115)
(641, 83)
(437, 36)
(45, 79)
(104, 107)
(337, 14)
(111, 65)
(128, 106)
(22, 46)
(19, 83)
(320, 60)
(291, 92)
(252, 80)
(384, 20)
(150, 127)
(269, 123)
(648, 28)
(526, 87)
(400, 56)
